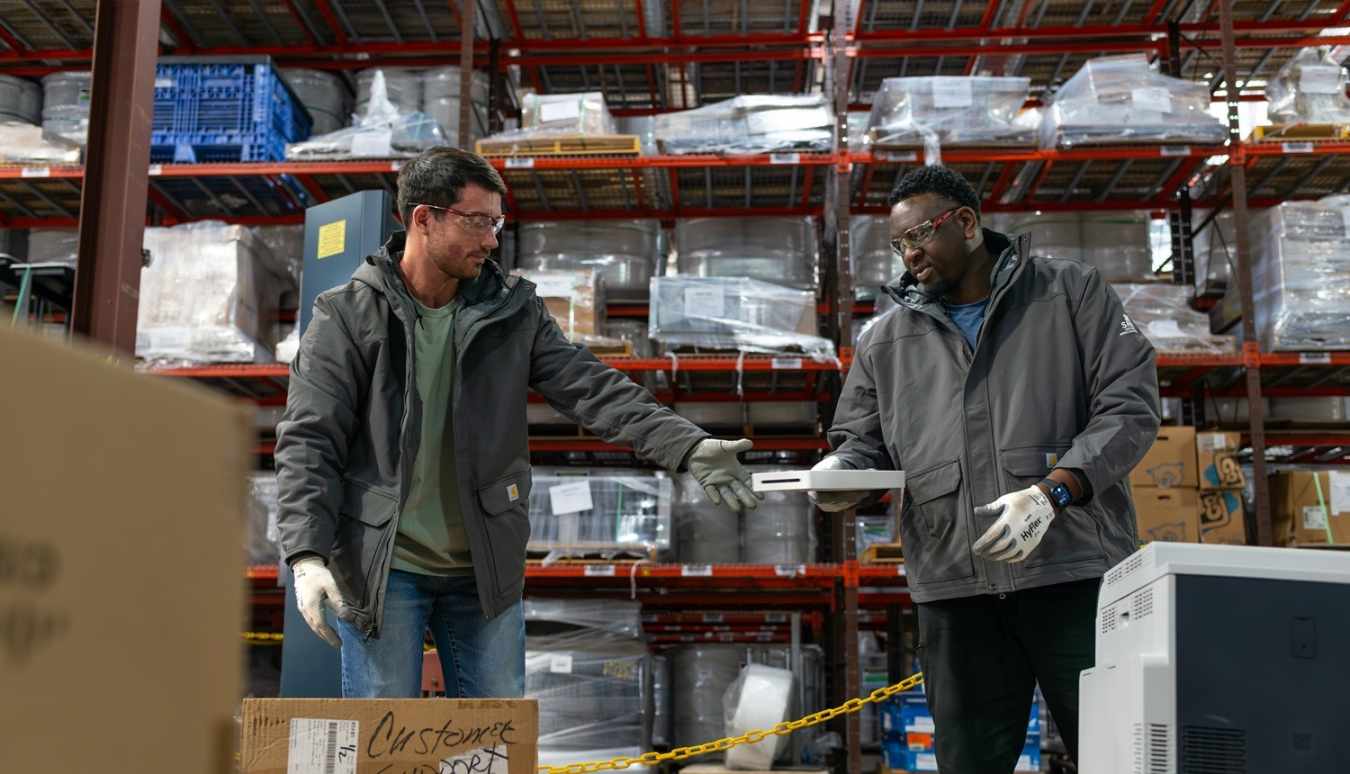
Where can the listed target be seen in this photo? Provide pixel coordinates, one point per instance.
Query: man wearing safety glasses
(403, 460)
(1017, 395)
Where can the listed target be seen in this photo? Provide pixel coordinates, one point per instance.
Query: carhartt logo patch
(1051, 460)
(513, 492)
(1127, 325)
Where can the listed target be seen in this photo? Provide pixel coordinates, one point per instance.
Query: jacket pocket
(364, 530)
(1075, 535)
(505, 504)
(937, 542)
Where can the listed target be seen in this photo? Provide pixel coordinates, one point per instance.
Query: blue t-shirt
(968, 318)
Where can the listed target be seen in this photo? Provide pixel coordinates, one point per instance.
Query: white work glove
(315, 589)
(714, 465)
(833, 502)
(1023, 517)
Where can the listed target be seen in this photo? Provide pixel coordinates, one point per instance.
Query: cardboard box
(1167, 514)
(1216, 460)
(121, 556)
(1170, 462)
(576, 300)
(1222, 517)
(370, 736)
(1295, 504)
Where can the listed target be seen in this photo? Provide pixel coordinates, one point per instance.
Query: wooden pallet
(610, 348)
(883, 553)
(563, 145)
(1284, 132)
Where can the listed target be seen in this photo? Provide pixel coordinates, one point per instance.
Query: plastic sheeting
(753, 123)
(441, 101)
(1310, 88)
(1215, 249)
(263, 536)
(206, 297)
(1301, 275)
(324, 96)
(1120, 99)
(704, 533)
(778, 250)
(53, 245)
(22, 143)
(700, 675)
(592, 696)
(384, 126)
(933, 111)
(781, 529)
(609, 511)
(1163, 314)
(758, 699)
(875, 264)
(20, 100)
(724, 313)
(1117, 243)
(559, 623)
(624, 252)
(65, 105)
(402, 89)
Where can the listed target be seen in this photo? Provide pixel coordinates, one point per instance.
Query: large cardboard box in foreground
(1170, 462)
(121, 552)
(370, 736)
(1167, 514)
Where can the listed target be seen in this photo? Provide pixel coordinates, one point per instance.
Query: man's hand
(833, 502)
(1023, 518)
(714, 465)
(315, 589)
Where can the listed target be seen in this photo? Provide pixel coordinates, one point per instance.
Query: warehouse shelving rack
(651, 57)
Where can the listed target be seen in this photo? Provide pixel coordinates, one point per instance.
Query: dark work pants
(982, 657)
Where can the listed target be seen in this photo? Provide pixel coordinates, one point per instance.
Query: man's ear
(970, 223)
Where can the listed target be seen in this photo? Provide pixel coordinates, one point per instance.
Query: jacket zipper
(1000, 291)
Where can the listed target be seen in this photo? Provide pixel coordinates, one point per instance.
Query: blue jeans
(480, 659)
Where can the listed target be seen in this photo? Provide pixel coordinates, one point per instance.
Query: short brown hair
(438, 177)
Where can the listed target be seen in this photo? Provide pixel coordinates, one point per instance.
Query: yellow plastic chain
(750, 737)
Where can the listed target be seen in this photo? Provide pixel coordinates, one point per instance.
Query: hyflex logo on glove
(1023, 518)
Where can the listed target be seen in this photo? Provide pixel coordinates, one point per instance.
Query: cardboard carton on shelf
(1310, 504)
(119, 639)
(1170, 462)
(1216, 462)
(1222, 517)
(1169, 514)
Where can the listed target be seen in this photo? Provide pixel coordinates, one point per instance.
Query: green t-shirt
(431, 539)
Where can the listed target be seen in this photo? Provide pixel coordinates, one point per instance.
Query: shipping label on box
(373, 736)
(1169, 515)
(1216, 461)
(1170, 462)
(1222, 518)
(1311, 504)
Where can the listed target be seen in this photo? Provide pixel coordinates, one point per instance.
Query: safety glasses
(920, 234)
(474, 221)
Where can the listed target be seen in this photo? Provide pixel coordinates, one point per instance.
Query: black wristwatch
(1059, 493)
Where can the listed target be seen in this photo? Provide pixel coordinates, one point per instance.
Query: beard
(937, 288)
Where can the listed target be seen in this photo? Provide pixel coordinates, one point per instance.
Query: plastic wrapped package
(604, 510)
(781, 529)
(65, 105)
(441, 100)
(263, 535)
(576, 299)
(595, 699)
(288, 347)
(1309, 88)
(624, 252)
(704, 533)
(20, 100)
(324, 96)
(875, 264)
(561, 115)
(1301, 275)
(759, 698)
(949, 110)
(206, 297)
(632, 331)
(1117, 243)
(662, 726)
(700, 675)
(754, 123)
(1120, 99)
(402, 87)
(642, 127)
(53, 245)
(558, 623)
(727, 313)
(381, 129)
(859, 135)
(778, 250)
(22, 143)
(1163, 314)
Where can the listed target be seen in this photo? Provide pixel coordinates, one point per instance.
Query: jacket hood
(1012, 251)
(380, 271)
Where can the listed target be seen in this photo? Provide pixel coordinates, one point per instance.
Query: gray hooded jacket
(352, 426)
(1059, 377)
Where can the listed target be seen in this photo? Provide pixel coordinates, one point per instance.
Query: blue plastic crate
(224, 112)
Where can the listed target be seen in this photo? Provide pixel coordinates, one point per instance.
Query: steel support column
(116, 177)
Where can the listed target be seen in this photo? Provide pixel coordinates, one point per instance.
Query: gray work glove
(714, 465)
(833, 502)
(316, 589)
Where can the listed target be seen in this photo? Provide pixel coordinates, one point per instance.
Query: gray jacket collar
(1012, 251)
(380, 271)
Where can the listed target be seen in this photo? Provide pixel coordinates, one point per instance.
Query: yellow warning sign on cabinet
(332, 238)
